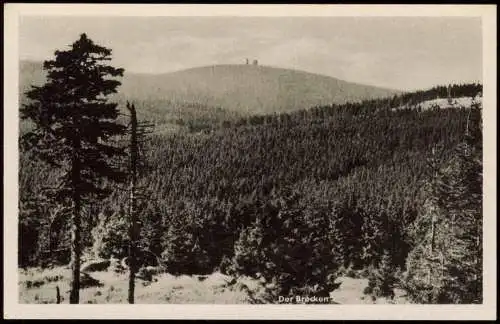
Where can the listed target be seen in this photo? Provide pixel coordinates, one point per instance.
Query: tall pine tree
(74, 128)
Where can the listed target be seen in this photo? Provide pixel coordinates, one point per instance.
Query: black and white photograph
(249, 158)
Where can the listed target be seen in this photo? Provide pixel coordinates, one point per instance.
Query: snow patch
(443, 103)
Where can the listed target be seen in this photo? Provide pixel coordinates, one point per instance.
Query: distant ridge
(241, 88)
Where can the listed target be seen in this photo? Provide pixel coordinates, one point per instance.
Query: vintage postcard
(250, 161)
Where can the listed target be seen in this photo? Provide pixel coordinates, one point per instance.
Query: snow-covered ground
(37, 286)
(443, 103)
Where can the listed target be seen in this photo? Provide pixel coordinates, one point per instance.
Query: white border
(12, 309)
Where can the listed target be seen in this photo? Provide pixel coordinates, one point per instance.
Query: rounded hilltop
(248, 87)
(238, 87)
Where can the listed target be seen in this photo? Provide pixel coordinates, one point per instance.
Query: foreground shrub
(381, 281)
(197, 238)
(182, 251)
(183, 254)
(110, 235)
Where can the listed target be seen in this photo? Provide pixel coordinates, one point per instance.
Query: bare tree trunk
(133, 229)
(75, 233)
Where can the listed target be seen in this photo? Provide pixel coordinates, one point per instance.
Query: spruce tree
(382, 280)
(74, 125)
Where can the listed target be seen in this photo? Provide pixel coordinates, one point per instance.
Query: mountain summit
(240, 88)
(248, 88)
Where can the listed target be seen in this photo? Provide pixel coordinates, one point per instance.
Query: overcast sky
(401, 53)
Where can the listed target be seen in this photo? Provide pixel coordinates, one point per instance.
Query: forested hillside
(221, 92)
(248, 88)
(334, 186)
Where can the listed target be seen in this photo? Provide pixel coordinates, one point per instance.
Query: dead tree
(133, 226)
(136, 131)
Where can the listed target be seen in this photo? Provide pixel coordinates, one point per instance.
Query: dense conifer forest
(295, 197)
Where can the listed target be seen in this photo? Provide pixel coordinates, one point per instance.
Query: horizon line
(284, 68)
